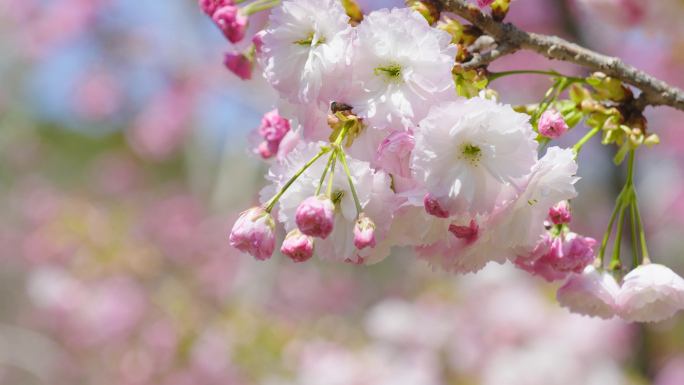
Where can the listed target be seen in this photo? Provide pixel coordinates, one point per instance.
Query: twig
(511, 39)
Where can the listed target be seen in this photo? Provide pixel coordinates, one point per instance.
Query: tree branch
(511, 39)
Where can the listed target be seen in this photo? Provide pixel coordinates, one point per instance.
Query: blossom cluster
(409, 162)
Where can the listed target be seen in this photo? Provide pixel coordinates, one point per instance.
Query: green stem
(328, 189)
(632, 221)
(325, 172)
(273, 200)
(607, 236)
(615, 261)
(578, 146)
(259, 6)
(642, 235)
(351, 184)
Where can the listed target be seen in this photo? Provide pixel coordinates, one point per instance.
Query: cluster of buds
(620, 125)
(463, 36)
(230, 19)
(272, 130)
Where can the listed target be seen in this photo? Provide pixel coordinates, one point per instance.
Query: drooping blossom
(551, 124)
(560, 213)
(650, 293)
(239, 64)
(306, 52)
(401, 68)
(364, 232)
(373, 190)
(591, 293)
(568, 253)
(231, 22)
(254, 233)
(468, 150)
(316, 216)
(297, 246)
(394, 153)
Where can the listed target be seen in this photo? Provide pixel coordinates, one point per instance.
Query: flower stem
(644, 252)
(273, 200)
(351, 184)
(259, 6)
(328, 189)
(578, 146)
(632, 221)
(607, 236)
(615, 261)
(325, 172)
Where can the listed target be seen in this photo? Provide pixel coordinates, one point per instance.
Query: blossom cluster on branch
(382, 138)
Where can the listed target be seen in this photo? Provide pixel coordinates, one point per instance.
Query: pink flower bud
(258, 40)
(273, 127)
(650, 293)
(239, 64)
(297, 246)
(560, 213)
(484, 3)
(364, 232)
(210, 6)
(254, 233)
(394, 153)
(231, 22)
(316, 216)
(551, 124)
(433, 207)
(590, 293)
(468, 233)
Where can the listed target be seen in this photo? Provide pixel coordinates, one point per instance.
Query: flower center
(470, 152)
(309, 40)
(392, 72)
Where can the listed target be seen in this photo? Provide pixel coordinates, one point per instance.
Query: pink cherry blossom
(552, 124)
(394, 153)
(316, 216)
(568, 253)
(590, 293)
(297, 246)
(484, 3)
(560, 213)
(650, 293)
(254, 233)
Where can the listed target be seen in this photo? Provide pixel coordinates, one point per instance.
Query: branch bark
(511, 39)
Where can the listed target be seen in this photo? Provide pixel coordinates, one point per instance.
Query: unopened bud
(254, 233)
(316, 216)
(551, 124)
(364, 232)
(297, 246)
(426, 9)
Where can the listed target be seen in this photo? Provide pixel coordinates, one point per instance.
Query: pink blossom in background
(98, 96)
(560, 213)
(160, 128)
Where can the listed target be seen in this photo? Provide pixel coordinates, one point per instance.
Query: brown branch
(511, 39)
